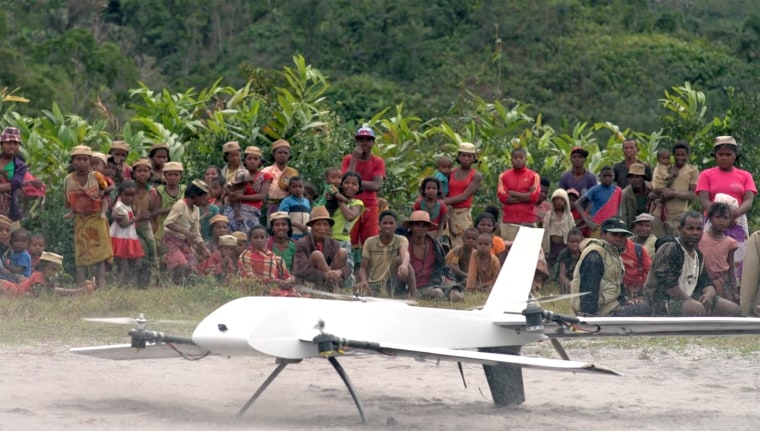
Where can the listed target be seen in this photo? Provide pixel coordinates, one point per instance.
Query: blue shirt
(444, 182)
(299, 211)
(22, 259)
(598, 196)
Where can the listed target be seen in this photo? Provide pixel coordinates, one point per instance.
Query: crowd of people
(626, 237)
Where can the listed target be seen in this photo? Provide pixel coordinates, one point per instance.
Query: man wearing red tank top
(463, 184)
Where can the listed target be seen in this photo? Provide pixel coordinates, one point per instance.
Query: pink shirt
(733, 183)
(715, 252)
(275, 192)
(368, 170)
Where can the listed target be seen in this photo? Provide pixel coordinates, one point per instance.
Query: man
(371, 169)
(385, 268)
(642, 232)
(676, 197)
(599, 274)
(428, 260)
(577, 177)
(464, 182)
(630, 150)
(635, 197)
(678, 284)
(518, 190)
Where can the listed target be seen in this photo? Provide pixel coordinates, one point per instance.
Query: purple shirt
(568, 181)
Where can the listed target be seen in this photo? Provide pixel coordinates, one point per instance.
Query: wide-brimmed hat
(319, 213)
(201, 185)
(11, 134)
(419, 216)
(280, 143)
(218, 218)
(141, 162)
(364, 132)
(228, 240)
(579, 150)
(173, 167)
(637, 169)
(642, 217)
(279, 215)
(51, 257)
(81, 150)
(724, 140)
(5, 221)
(158, 146)
(616, 225)
(100, 156)
(240, 236)
(231, 146)
(119, 145)
(242, 176)
(468, 148)
(252, 149)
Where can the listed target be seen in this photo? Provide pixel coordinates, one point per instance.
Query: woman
(319, 260)
(464, 182)
(12, 173)
(182, 231)
(737, 183)
(279, 241)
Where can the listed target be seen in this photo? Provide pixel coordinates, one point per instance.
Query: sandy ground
(46, 387)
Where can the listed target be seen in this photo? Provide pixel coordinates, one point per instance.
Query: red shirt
(255, 186)
(519, 180)
(457, 187)
(635, 270)
(368, 170)
(437, 214)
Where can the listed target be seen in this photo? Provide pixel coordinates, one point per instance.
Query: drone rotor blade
(560, 349)
(132, 320)
(554, 298)
(316, 292)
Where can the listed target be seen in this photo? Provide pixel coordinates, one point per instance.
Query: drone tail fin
(512, 287)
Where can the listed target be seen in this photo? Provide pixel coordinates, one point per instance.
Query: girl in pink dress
(127, 249)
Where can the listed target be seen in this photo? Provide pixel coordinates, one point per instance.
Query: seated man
(385, 268)
(600, 273)
(319, 259)
(428, 261)
(678, 284)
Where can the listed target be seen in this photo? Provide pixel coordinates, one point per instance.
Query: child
(567, 259)
(212, 172)
(602, 202)
(17, 261)
(580, 224)
(115, 172)
(662, 178)
(259, 264)
(484, 267)
(345, 210)
(297, 207)
(170, 192)
(231, 154)
(146, 205)
(254, 193)
(280, 242)
(486, 223)
(119, 152)
(332, 182)
(98, 163)
(159, 156)
(5, 233)
(557, 224)
(83, 190)
(43, 279)
(214, 207)
(442, 171)
(221, 263)
(219, 226)
(458, 259)
(718, 250)
(242, 243)
(127, 250)
(310, 192)
(430, 201)
(36, 247)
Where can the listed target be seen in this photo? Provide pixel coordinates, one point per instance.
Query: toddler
(297, 207)
(484, 267)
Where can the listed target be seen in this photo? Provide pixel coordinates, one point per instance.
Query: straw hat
(724, 140)
(240, 236)
(277, 216)
(81, 150)
(11, 134)
(141, 162)
(468, 148)
(119, 145)
(218, 218)
(637, 169)
(5, 221)
(280, 143)
(100, 156)
(231, 146)
(320, 213)
(201, 185)
(51, 257)
(419, 216)
(228, 240)
(155, 147)
(173, 167)
(256, 151)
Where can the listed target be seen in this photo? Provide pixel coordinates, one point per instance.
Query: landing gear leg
(280, 366)
(505, 381)
(342, 373)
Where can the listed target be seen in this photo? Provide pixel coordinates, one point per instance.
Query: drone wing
(655, 326)
(120, 352)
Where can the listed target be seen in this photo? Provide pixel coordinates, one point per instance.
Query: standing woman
(12, 172)
(84, 191)
(182, 232)
(727, 179)
(463, 184)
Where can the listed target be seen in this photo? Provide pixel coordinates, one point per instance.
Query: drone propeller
(346, 297)
(542, 299)
(140, 320)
